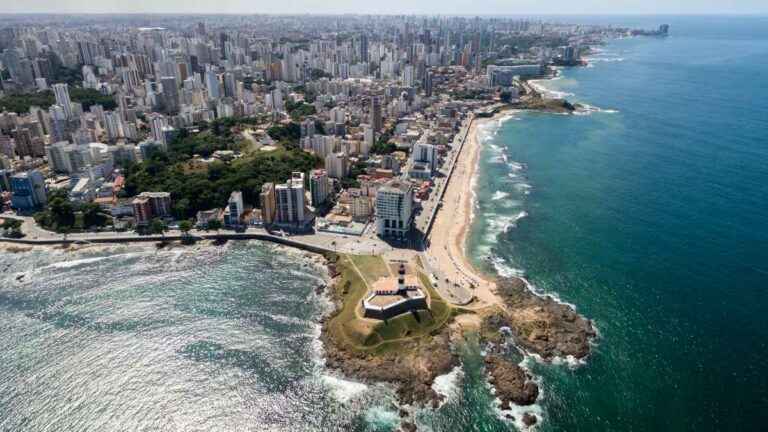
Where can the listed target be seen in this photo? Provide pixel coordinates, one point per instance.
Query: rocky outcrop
(513, 384)
(538, 103)
(529, 419)
(541, 325)
(412, 369)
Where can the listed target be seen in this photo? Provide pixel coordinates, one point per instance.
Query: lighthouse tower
(401, 278)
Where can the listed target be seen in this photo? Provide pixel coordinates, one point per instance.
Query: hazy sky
(480, 7)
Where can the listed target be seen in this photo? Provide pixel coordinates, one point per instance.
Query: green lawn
(372, 267)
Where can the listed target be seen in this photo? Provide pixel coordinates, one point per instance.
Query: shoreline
(450, 232)
(540, 326)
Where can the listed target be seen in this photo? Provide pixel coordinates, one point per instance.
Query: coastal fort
(391, 296)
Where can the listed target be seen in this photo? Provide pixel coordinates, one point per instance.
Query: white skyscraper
(427, 153)
(61, 92)
(114, 125)
(394, 209)
(290, 200)
(408, 76)
(319, 187)
(369, 137)
(156, 124)
(337, 165)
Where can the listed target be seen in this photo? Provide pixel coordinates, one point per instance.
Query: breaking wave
(498, 195)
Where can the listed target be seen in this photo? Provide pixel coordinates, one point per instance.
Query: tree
(288, 136)
(11, 228)
(185, 227)
(157, 226)
(92, 215)
(61, 214)
(215, 225)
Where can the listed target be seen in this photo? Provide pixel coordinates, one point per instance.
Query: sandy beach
(451, 227)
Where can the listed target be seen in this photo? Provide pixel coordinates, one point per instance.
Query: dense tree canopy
(20, 103)
(63, 215)
(286, 135)
(186, 145)
(299, 110)
(204, 190)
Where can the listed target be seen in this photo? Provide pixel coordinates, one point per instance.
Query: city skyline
(482, 7)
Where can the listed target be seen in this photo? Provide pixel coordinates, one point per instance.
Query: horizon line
(605, 14)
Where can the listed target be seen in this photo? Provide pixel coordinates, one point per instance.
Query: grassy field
(378, 336)
(372, 267)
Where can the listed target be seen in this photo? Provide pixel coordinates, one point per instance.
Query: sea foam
(447, 385)
(498, 195)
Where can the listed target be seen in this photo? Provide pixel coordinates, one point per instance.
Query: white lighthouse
(401, 278)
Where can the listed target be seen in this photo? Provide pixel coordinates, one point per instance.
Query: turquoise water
(649, 215)
(652, 217)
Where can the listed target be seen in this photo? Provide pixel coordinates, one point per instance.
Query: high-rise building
(114, 125)
(360, 205)
(426, 153)
(319, 187)
(7, 146)
(369, 137)
(308, 128)
(61, 92)
(170, 94)
(28, 191)
(230, 85)
(12, 62)
(123, 154)
(212, 84)
(409, 76)
(363, 48)
(268, 202)
(428, 83)
(376, 121)
(160, 131)
(290, 200)
(337, 165)
(142, 210)
(394, 209)
(235, 209)
(67, 158)
(149, 205)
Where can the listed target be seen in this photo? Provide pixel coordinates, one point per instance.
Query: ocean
(648, 214)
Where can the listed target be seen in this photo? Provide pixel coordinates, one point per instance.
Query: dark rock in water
(529, 419)
(319, 289)
(404, 413)
(513, 384)
(540, 324)
(408, 427)
(509, 417)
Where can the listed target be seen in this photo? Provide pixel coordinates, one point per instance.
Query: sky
(464, 7)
